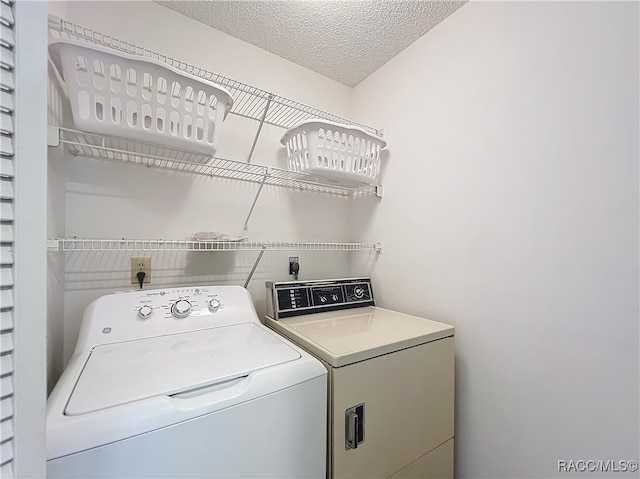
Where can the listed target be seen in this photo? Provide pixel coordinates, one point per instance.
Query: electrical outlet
(294, 265)
(140, 264)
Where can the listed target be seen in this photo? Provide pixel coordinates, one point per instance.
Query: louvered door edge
(7, 87)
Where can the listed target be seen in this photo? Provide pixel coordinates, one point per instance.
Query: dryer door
(124, 372)
(403, 405)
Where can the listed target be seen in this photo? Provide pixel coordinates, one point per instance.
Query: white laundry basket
(334, 151)
(113, 93)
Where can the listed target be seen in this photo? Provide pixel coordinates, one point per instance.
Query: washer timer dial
(181, 309)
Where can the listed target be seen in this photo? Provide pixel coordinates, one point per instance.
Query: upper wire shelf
(135, 152)
(94, 245)
(249, 102)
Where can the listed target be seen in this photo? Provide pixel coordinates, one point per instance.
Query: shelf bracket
(53, 245)
(264, 115)
(255, 265)
(54, 22)
(53, 136)
(245, 227)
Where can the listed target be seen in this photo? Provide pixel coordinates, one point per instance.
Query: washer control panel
(140, 314)
(178, 303)
(294, 298)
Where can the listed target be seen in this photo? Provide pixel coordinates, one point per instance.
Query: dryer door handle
(354, 426)
(352, 429)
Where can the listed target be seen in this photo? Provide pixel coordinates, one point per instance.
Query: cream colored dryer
(391, 378)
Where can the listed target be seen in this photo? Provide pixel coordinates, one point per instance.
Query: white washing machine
(186, 382)
(391, 378)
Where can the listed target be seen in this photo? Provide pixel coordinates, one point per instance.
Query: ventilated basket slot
(99, 107)
(161, 92)
(116, 111)
(82, 71)
(161, 116)
(132, 82)
(117, 94)
(115, 78)
(147, 86)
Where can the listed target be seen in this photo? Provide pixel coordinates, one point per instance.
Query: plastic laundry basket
(333, 150)
(113, 93)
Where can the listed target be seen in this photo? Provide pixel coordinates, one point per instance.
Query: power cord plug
(140, 277)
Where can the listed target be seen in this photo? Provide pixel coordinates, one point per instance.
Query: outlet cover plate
(140, 263)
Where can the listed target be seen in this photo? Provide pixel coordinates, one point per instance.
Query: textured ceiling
(346, 40)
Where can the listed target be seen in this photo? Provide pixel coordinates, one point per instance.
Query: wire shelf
(128, 151)
(249, 102)
(95, 245)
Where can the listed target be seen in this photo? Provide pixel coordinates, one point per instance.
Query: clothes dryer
(391, 378)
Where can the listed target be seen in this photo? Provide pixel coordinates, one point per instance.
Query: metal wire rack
(152, 155)
(93, 245)
(249, 102)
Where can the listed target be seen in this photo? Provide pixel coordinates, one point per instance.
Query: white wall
(105, 200)
(511, 211)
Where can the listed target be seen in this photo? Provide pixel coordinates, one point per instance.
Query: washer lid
(119, 373)
(346, 337)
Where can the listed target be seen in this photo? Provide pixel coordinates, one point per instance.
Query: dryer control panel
(294, 298)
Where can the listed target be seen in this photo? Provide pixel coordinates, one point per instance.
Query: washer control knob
(181, 309)
(214, 305)
(145, 312)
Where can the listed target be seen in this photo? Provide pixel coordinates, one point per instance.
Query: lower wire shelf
(133, 152)
(95, 245)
